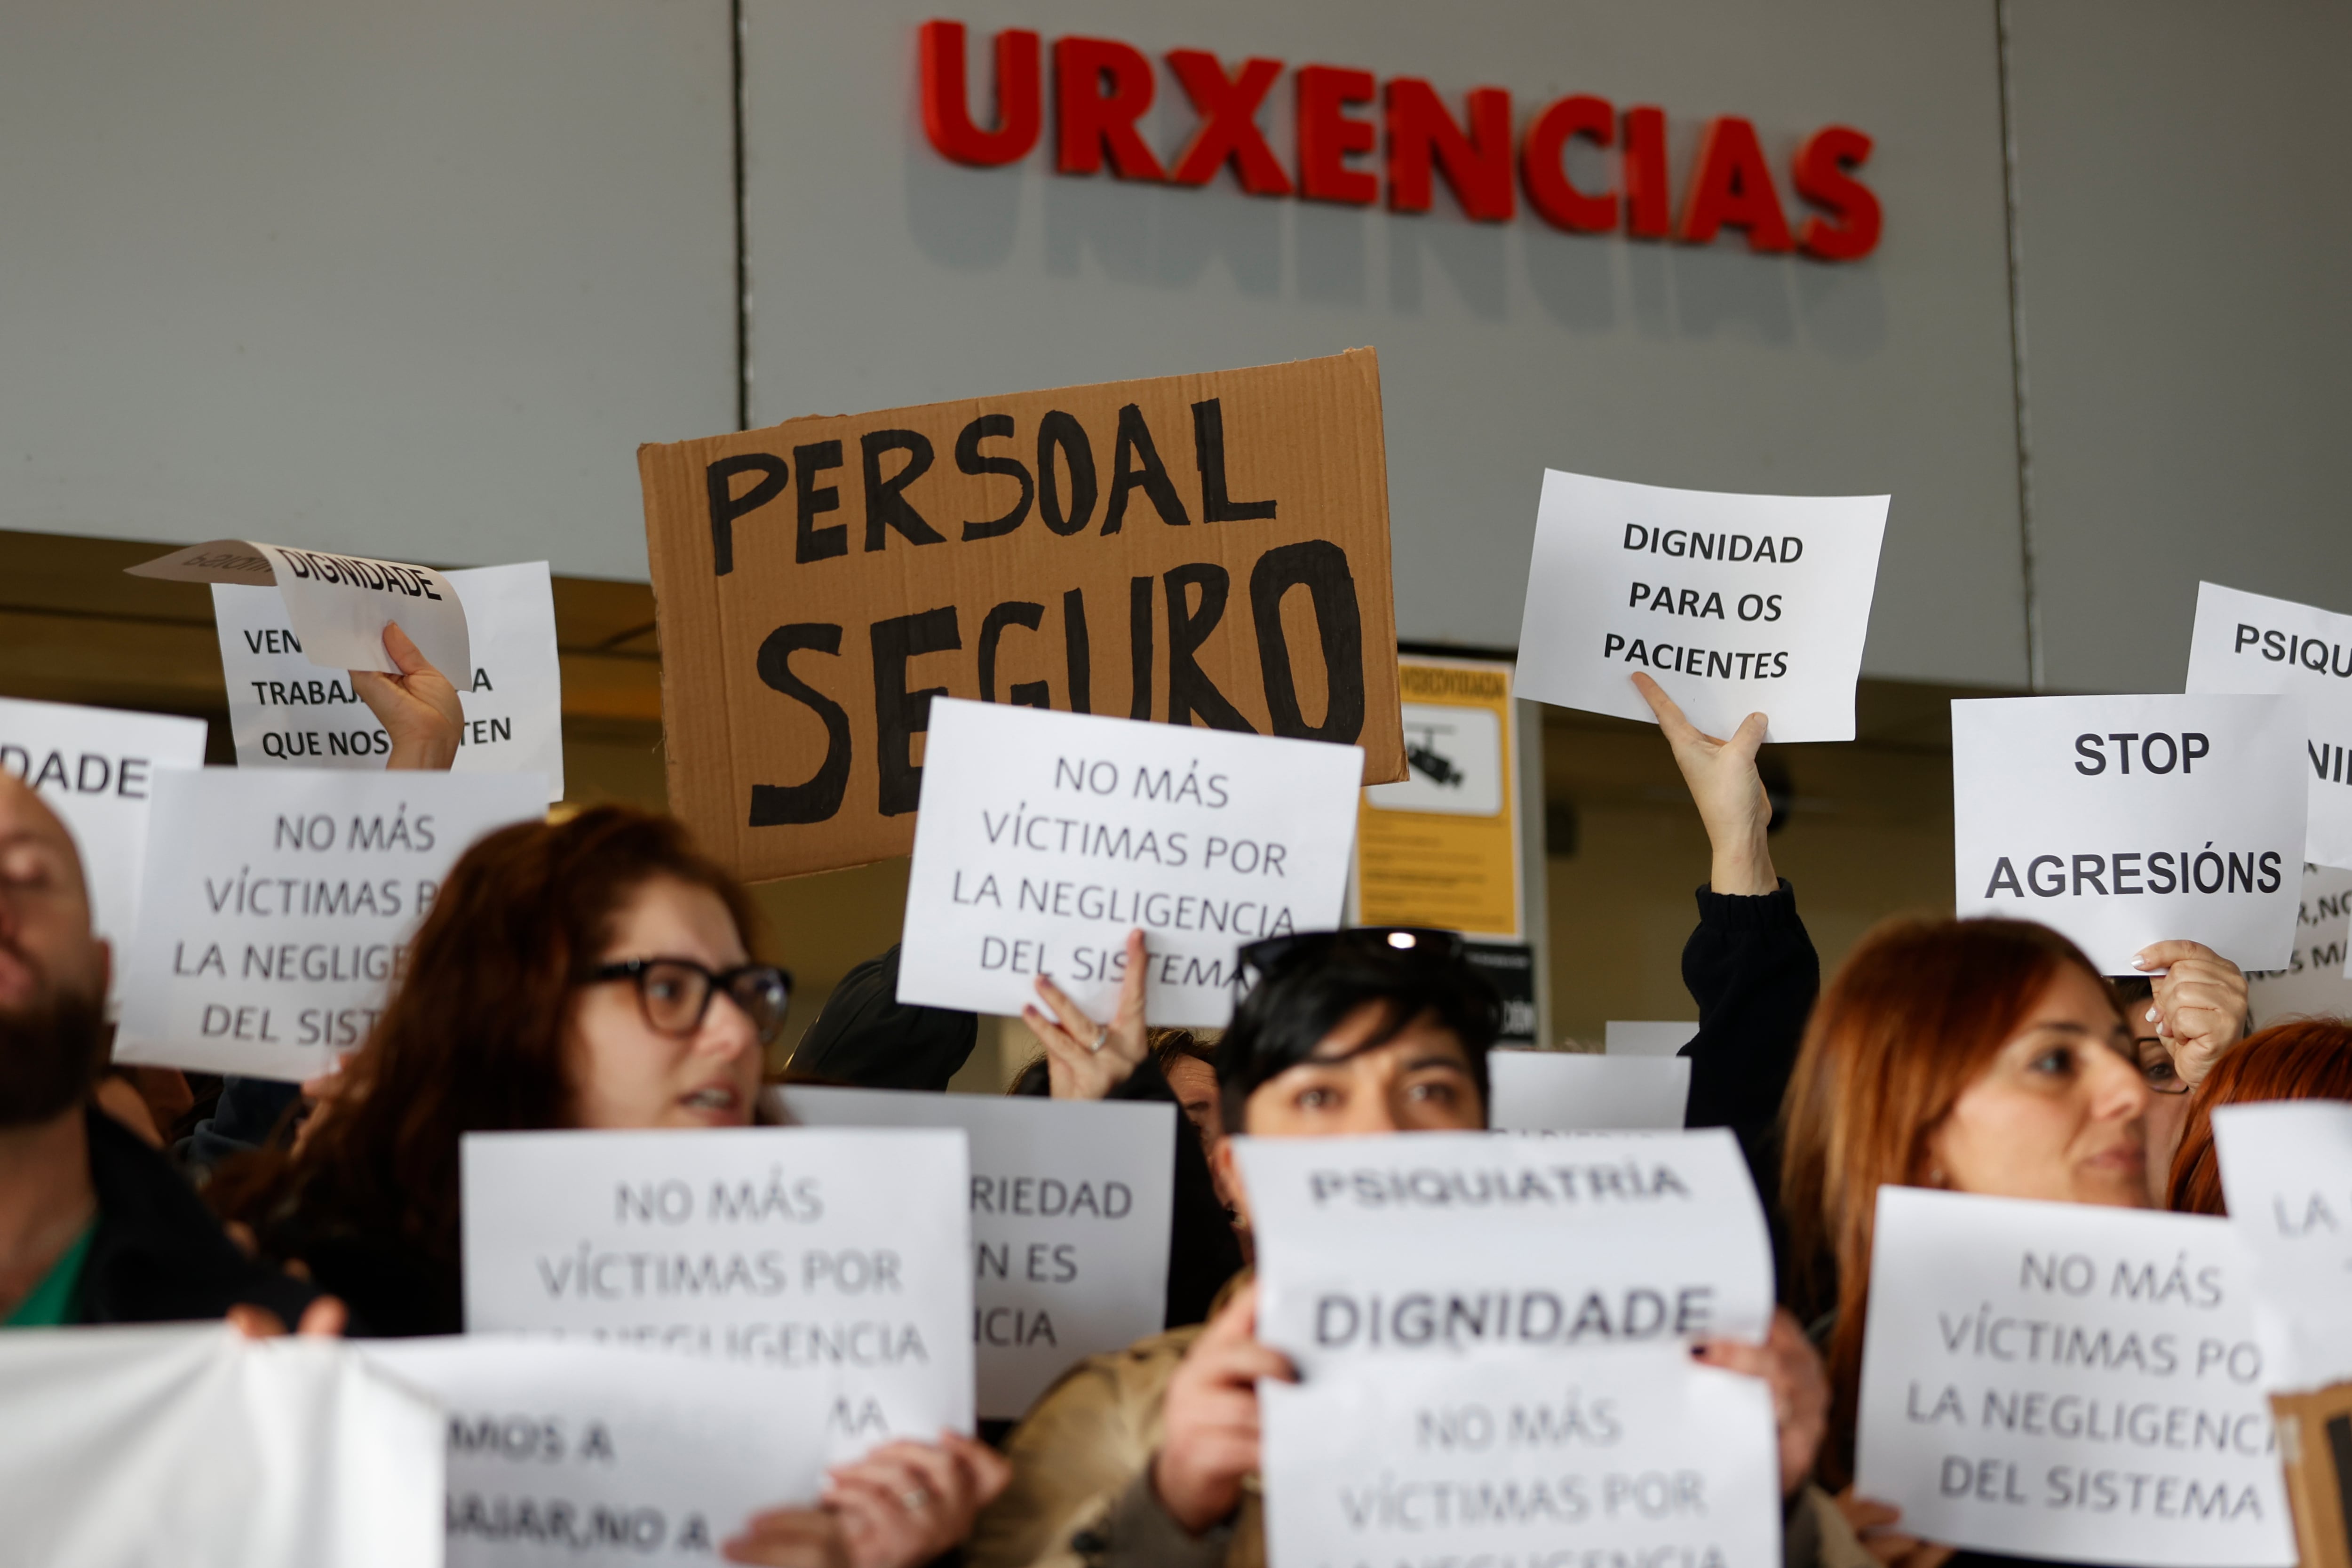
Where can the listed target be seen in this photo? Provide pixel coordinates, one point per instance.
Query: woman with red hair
(2305, 1058)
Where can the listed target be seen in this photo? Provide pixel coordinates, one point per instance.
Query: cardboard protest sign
(2127, 820)
(839, 1260)
(1646, 1037)
(1443, 847)
(2287, 1173)
(1570, 1091)
(1402, 1248)
(339, 604)
(285, 710)
(2246, 642)
(1734, 603)
(601, 1453)
(1046, 838)
(1198, 549)
(190, 1443)
(1635, 1454)
(96, 768)
(1071, 1204)
(2063, 1381)
(2315, 982)
(277, 904)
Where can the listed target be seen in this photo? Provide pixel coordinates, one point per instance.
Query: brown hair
(1914, 1016)
(471, 1039)
(2304, 1058)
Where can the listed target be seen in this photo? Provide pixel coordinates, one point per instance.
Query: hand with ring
(1084, 1059)
(906, 1503)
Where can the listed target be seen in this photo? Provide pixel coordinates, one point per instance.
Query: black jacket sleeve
(1752, 970)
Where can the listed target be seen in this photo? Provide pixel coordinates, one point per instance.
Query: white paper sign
(1647, 1037)
(285, 710)
(190, 1445)
(96, 768)
(1572, 1091)
(840, 1259)
(2126, 820)
(1071, 1206)
(2286, 1174)
(2245, 642)
(1396, 1249)
(1631, 1454)
(2314, 983)
(339, 604)
(1735, 604)
(1046, 837)
(2061, 1381)
(277, 904)
(561, 1450)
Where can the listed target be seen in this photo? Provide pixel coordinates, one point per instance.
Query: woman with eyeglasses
(593, 973)
(2182, 1023)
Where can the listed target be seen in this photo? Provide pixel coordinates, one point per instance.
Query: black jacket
(159, 1255)
(1752, 970)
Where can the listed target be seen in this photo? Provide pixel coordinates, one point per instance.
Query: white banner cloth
(1572, 1091)
(1628, 1455)
(1071, 1205)
(1400, 1248)
(1734, 603)
(2287, 1173)
(2123, 821)
(284, 710)
(191, 1445)
(2069, 1383)
(339, 604)
(277, 904)
(564, 1450)
(840, 1258)
(1046, 837)
(2246, 642)
(96, 768)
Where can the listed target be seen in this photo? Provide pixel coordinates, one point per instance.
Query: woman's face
(2061, 1114)
(625, 1073)
(2167, 1114)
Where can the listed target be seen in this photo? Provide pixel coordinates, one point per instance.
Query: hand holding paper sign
(1728, 789)
(1084, 1061)
(417, 708)
(2200, 1007)
(902, 1504)
(1212, 1417)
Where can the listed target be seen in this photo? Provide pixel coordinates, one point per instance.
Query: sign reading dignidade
(2124, 821)
(1046, 838)
(1735, 604)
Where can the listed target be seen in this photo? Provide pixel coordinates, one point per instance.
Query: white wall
(414, 279)
(883, 274)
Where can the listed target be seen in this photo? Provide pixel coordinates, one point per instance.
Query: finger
(1748, 739)
(255, 1322)
(324, 1318)
(1736, 1355)
(1237, 1324)
(2160, 954)
(1929, 1555)
(1130, 985)
(405, 652)
(1669, 714)
(1246, 1363)
(1864, 1514)
(989, 1471)
(1071, 1016)
(241, 1236)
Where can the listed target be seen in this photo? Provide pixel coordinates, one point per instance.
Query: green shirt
(55, 1301)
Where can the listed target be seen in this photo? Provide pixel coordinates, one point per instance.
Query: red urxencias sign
(1102, 88)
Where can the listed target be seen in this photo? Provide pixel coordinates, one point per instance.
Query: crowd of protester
(598, 972)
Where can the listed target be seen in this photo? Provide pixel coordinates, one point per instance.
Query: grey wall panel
(2188, 326)
(411, 278)
(882, 274)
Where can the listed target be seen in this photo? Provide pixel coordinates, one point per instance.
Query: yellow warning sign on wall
(1442, 848)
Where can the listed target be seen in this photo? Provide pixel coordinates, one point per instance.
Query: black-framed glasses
(1411, 944)
(2157, 1070)
(674, 994)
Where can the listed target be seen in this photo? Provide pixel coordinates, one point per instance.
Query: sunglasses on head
(1416, 945)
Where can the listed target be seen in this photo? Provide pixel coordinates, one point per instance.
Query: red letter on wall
(1228, 110)
(947, 110)
(1648, 213)
(1822, 180)
(1733, 185)
(1327, 136)
(1100, 90)
(1542, 163)
(1476, 166)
